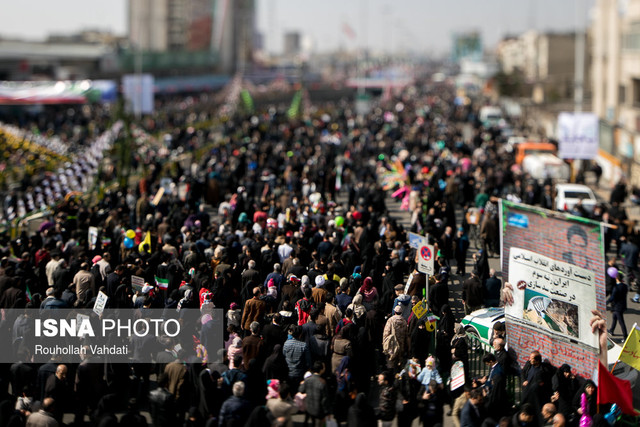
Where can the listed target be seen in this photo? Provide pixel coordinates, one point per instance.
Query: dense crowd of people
(317, 281)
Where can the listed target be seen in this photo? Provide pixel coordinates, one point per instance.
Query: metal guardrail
(477, 369)
(633, 210)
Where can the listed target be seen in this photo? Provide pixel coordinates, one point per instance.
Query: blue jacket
(234, 409)
(405, 301)
(469, 417)
(630, 252)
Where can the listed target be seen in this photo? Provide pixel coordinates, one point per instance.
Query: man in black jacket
(492, 290)
(273, 334)
(317, 401)
(618, 301)
(163, 404)
(58, 389)
(473, 413)
(472, 293)
(536, 381)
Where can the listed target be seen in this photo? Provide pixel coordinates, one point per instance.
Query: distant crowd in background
(316, 279)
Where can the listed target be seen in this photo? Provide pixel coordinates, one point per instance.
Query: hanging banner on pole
(138, 93)
(578, 136)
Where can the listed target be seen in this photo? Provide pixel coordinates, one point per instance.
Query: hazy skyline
(404, 25)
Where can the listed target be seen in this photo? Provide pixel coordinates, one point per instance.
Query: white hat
(319, 281)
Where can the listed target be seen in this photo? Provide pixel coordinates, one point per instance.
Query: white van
(490, 116)
(541, 166)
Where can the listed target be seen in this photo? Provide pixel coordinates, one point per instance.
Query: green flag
(247, 101)
(294, 109)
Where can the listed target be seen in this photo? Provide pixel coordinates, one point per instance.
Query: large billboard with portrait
(555, 263)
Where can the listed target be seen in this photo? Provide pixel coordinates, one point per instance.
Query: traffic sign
(425, 259)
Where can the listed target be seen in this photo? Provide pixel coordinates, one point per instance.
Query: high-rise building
(226, 27)
(148, 25)
(292, 44)
(234, 30)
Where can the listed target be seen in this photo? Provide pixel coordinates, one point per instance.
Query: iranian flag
(162, 283)
(348, 31)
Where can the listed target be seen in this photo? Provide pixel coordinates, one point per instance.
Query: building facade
(224, 27)
(546, 61)
(616, 87)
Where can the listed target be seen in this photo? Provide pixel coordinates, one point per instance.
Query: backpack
(303, 307)
(390, 344)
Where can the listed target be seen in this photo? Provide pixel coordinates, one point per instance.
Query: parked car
(568, 195)
(479, 324)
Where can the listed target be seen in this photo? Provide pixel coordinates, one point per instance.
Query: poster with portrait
(555, 263)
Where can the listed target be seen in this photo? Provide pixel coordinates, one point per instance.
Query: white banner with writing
(553, 297)
(578, 136)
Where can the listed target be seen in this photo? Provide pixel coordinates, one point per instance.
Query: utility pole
(578, 83)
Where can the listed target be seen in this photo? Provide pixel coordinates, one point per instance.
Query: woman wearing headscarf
(460, 352)
(343, 390)
(340, 348)
(585, 401)
(234, 350)
(275, 366)
(361, 414)
(369, 293)
(565, 386)
(186, 301)
(280, 404)
(358, 308)
(123, 297)
(255, 384)
(211, 396)
(420, 341)
(444, 335)
(355, 282)
(409, 387)
(481, 263)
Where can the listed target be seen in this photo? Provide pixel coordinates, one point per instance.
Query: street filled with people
(285, 224)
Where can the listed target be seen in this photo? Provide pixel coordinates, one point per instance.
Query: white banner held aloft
(101, 302)
(553, 297)
(138, 92)
(137, 283)
(578, 136)
(93, 237)
(415, 240)
(457, 375)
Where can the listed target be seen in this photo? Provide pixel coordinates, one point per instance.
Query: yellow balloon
(130, 234)
(430, 326)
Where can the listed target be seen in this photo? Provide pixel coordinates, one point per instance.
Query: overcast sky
(416, 25)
